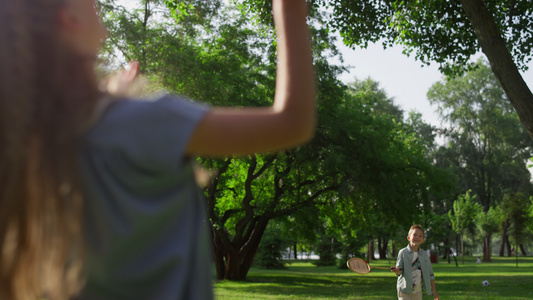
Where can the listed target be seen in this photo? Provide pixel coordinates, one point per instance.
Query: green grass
(305, 281)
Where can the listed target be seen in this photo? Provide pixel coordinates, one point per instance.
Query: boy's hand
(396, 270)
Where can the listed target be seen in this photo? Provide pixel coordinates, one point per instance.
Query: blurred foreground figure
(97, 193)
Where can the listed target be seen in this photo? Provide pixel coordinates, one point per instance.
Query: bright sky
(403, 78)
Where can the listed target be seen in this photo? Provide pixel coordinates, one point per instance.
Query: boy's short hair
(416, 227)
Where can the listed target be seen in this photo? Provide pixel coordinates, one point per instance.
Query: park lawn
(302, 280)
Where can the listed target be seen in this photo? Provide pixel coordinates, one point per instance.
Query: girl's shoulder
(125, 112)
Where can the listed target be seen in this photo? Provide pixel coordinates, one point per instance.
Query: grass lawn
(302, 280)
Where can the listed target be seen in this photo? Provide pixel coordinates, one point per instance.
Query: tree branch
(501, 61)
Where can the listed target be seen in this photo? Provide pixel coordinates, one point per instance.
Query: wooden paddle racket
(361, 266)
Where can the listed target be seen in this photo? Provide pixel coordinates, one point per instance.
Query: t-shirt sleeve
(166, 129)
(150, 136)
(173, 124)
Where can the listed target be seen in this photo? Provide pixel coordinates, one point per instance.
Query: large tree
(448, 32)
(366, 219)
(354, 168)
(488, 223)
(487, 147)
(516, 210)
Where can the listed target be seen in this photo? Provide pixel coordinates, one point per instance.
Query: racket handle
(382, 268)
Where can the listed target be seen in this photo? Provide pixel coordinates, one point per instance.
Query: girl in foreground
(121, 166)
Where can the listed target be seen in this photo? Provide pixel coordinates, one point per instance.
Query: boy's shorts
(415, 296)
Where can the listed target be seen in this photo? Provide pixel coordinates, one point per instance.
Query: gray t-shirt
(145, 222)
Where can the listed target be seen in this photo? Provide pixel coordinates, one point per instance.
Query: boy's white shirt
(416, 275)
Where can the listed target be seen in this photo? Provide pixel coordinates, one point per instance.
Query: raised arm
(291, 120)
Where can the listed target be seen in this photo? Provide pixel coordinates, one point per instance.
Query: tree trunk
(509, 248)
(523, 250)
(234, 259)
(219, 255)
(501, 61)
(516, 255)
(383, 243)
(457, 244)
(233, 268)
(219, 265)
(487, 248)
(447, 247)
(462, 249)
(295, 250)
(505, 238)
(370, 254)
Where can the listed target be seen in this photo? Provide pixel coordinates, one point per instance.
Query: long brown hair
(46, 94)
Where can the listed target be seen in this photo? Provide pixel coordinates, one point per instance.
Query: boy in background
(413, 268)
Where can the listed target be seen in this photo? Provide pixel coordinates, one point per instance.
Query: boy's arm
(291, 119)
(434, 289)
(399, 262)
